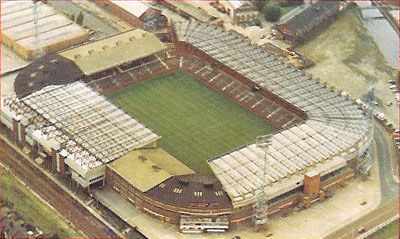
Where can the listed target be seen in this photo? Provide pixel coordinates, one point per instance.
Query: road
(386, 161)
(52, 193)
(369, 221)
(389, 190)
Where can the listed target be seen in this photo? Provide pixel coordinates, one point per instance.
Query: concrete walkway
(316, 222)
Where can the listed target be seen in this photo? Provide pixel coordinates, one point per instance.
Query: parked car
(361, 230)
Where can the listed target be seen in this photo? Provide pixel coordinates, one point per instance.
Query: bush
(272, 12)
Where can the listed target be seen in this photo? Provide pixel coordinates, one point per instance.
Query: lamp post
(261, 206)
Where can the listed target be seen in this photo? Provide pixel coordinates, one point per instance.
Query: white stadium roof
(76, 118)
(334, 130)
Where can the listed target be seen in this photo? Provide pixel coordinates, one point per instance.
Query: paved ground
(387, 165)
(320, 219)
(369, 221)
(389, 189)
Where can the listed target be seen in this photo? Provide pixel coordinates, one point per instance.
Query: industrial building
(240, 11)
(301, 26)
(322, 141)
(54, 31)
(136, 13)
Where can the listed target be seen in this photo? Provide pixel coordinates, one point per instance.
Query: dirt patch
(348, 58)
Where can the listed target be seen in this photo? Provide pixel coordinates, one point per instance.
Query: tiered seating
(334, 127)
(239, 92)
(104, 84)
(155, 66)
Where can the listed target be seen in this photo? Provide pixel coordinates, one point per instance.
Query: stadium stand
(321, 136)
(334, 132)
(75, 125)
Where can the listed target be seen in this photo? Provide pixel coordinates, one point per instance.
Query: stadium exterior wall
(171, 213)
(166, 212)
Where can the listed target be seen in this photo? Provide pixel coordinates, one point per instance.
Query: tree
(79, 18)
(72, 17)
(272, 12)
(259, 5)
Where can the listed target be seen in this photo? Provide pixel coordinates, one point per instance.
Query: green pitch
(195, 121)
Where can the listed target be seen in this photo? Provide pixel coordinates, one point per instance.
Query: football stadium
(171, 127)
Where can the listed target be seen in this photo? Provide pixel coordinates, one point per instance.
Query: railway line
(57, 197)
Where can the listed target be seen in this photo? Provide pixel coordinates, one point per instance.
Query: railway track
(57, 197)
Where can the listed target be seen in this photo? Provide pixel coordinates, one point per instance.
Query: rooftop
(312, 16)
(193, 190)
(154, 165)
(79, 120)
(18, 20)
(99, 55)
(136, 8)
(333, 132)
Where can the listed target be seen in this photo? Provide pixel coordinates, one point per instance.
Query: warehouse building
(55, 32)
(301, 26)
(136, 13)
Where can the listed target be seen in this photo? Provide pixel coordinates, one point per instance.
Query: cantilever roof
(146, 168)
(101, 55)
(76, 118)
(335, 129)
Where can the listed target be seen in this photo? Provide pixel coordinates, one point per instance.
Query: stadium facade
(321, 140)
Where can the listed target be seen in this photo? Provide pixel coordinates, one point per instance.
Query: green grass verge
(389, 231)
(32, 210)
(196, 122)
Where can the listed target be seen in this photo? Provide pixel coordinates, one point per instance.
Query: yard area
(196, 122)
(17, 198)
(347, 57)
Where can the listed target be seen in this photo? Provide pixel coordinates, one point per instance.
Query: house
(240, 11)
